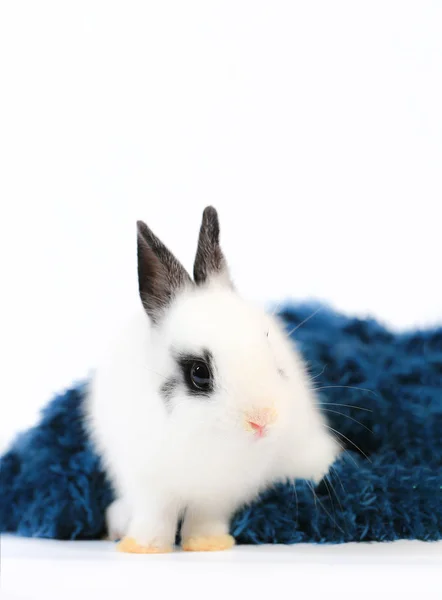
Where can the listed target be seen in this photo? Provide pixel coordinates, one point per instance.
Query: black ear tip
(210, 213)
(144, 233)
(210, 221)
(141, 226)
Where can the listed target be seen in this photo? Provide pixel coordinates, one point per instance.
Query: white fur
(194, 454)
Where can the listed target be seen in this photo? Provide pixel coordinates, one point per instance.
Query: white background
(315, 128)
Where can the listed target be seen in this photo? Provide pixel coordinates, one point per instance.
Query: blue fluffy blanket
(381, 391)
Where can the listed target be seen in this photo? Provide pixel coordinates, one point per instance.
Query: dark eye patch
(197, 372)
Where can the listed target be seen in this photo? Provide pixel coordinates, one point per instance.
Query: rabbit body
(201, 403)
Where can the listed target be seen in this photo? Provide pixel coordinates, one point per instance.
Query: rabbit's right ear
(160, 274)
(209, 260)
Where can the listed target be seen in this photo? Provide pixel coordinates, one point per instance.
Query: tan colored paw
(129, 545)
(208, 543)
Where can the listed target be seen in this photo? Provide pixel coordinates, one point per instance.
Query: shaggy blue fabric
(382, 393)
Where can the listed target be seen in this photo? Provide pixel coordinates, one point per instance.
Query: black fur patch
(168, 388)
(185, 362)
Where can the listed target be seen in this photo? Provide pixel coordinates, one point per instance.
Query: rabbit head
(229, 372)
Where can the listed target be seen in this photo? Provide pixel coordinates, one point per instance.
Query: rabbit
(202, 404)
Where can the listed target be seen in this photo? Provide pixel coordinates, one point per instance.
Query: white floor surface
(32, 569)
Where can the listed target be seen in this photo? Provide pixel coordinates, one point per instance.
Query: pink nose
(258, 429)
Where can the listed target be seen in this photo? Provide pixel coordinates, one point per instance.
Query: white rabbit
(202, 403)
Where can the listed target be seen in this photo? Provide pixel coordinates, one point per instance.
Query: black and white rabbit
(202, 403)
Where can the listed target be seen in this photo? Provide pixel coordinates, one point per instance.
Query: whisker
(346, 453)
(349, 387)
(349, 440)
(319, 374)
(347, 405)
(336, 474)
(323, 508)
(333, 488)
(304, 321)
(338, 500)
(336, 412)
(332, 504)
(276, 309)
(156, 372)
(297, 505)
(314, 497)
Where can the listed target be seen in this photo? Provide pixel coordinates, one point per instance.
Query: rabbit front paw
(131, 546)
(208, 543)
(206, 530)
(150, 532)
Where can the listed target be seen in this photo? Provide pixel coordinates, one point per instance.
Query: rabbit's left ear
(160, 275)
(209, 260)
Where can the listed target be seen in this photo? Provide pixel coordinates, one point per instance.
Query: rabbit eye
(200, 376)
(197, 371)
